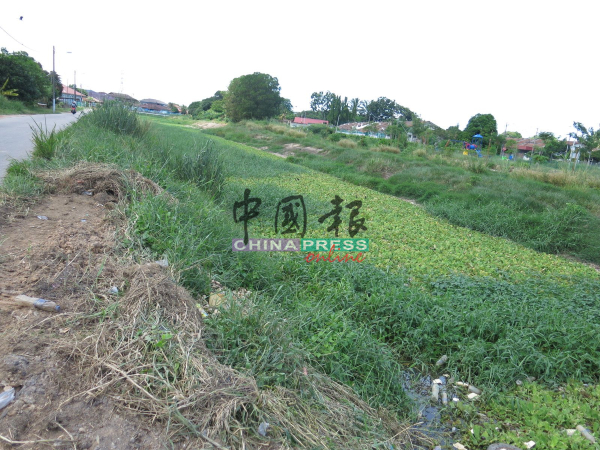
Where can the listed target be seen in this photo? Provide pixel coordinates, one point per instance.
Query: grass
(9, 107)
(427, 287)
(548, 210)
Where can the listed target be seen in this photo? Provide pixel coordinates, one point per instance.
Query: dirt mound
(93, 178)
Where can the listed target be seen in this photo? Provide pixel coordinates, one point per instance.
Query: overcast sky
(532, 64)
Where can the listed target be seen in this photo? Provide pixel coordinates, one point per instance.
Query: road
(15, 134)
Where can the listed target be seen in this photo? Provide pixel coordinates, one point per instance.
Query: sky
(529, 63)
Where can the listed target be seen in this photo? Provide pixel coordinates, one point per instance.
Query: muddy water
(418, 388)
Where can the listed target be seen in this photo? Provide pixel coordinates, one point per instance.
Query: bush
(335, 137)
(45, 143)
(421, 152)
(119, 118)
(347, 143)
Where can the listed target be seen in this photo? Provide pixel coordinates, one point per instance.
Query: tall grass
(45, 143)
(119, 118)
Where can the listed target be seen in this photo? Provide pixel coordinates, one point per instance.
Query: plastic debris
(472, 396)
(455, 399)
(163, 262)
(87, 193)
(114, 290)
(443, 379)
(42, 217)
(201, 309)
(459, 446)
(571, 431)
(460, 383)
(530, 444)
(437, 381)
(519, 382)
(435, 392)
(437, 447)
(586, 434)
(444, 398)
(83, 220)
(6, 397)
(262, 429)
(216, 300)
(474, 390)
(442, 360)
(39, 303)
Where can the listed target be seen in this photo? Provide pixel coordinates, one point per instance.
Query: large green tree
(483, 124)
(25, 75)
(254, 96)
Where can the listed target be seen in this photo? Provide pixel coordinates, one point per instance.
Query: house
(70, 95)
(305, 121)
(151, 105)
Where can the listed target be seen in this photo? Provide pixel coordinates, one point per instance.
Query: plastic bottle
(6, 397)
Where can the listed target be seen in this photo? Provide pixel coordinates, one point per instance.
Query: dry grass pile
(149, 350)
(97, 177)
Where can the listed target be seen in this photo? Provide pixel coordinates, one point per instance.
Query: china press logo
(290, 219)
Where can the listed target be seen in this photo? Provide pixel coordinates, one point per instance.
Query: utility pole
(53, 83)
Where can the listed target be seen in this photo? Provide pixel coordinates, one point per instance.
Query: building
(305, 121)
(152, 105)
(69, 95)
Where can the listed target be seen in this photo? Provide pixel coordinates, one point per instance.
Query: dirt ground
(56, 250)
(207, 125)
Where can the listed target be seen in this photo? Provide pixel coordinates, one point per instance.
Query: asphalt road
(15, 134)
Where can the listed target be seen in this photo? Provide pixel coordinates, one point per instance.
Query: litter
(42, 217)
(216, 300)
(472, 396)
(435, 392)
(438, 381)
(163, 262)
(202, 311)
(87, 193)
(474, 390)
(7, 397)
(586, 434)
(442, 360)
(571, 431)
(114, 290)
(262, 429)
(444, 398)
(459, 446)
(530, 444)
(39, 303)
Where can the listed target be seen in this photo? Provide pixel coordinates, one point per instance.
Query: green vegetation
(254, 96)
(501, 312)
(549, 210)
(534, 413)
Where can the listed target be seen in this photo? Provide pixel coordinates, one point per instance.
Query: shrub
(45, 143)
(347, 143)
(119, 118)
(296, 133)
(421, 152)
(335, 137)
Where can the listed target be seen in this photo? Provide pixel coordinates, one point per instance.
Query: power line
(16, 40)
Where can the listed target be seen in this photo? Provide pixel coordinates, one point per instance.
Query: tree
(483, 124)
(513, 134)
(25, 75)
(198, 107)
(382, 109)
(552, 144)
(588, 139)
(254, 96)
(8, 92)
